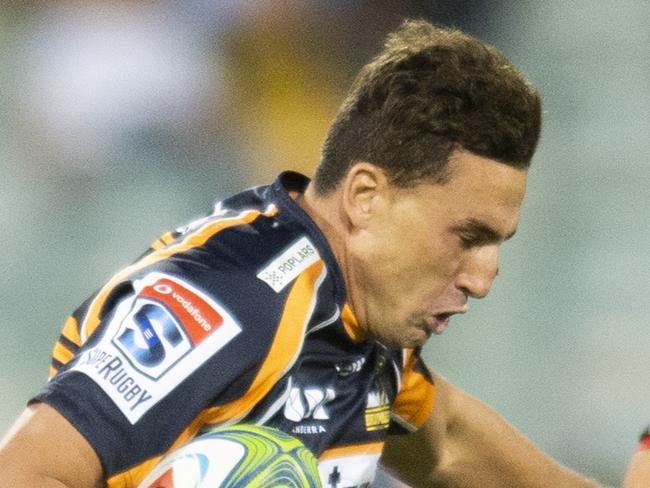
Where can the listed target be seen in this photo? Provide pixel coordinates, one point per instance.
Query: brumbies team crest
(154, 340)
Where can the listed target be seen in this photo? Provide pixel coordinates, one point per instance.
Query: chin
(410, 339)
(394, 342)
(410, 342)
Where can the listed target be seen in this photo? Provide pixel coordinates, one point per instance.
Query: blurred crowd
(100, 84)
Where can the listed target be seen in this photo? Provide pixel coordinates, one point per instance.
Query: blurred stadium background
(122, 119)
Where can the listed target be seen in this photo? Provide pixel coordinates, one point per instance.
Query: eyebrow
(482, 230)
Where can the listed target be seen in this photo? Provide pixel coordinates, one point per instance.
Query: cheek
(432, 277)
(405, 269)
(438, 261)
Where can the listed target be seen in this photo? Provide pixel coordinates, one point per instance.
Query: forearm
(483, 450)
(476, 475)
(467, 444)
(43, 450)
(516, 463)
(20, 468)
(30, 480)
(638, 473)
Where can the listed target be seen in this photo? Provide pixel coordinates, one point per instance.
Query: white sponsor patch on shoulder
(289, 264)
(154, 340)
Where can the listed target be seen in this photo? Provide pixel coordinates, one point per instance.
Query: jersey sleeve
(157, 348)
(415, 399)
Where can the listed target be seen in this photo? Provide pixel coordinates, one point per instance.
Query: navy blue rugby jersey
(238, 317)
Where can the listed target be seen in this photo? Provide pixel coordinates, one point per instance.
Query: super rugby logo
(167, 320)
(154, 340)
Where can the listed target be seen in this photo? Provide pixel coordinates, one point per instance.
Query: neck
(327, 212)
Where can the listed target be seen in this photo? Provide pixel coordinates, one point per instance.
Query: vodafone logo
(163, 289)
(194, 312)
(192, 309)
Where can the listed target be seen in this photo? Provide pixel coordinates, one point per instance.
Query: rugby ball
(238, 456)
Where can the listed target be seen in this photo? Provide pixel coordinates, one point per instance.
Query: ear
(363, 188)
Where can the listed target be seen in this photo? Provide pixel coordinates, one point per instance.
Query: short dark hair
(432, 90)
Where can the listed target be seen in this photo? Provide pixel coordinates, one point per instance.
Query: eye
(468, 241)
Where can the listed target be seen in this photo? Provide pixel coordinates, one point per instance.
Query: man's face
(426, 249)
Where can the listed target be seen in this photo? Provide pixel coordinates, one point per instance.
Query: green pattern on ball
(273, 458)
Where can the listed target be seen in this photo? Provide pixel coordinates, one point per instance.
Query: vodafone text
(194, 311)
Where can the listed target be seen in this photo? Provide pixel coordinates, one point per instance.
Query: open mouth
(439, 322)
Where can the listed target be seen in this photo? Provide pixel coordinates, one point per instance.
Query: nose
(478, 271)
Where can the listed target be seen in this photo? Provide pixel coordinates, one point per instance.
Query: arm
(638, 472)
(464, 443)
(43, 449)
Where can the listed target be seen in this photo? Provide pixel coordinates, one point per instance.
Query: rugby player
(304, 304)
